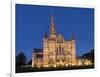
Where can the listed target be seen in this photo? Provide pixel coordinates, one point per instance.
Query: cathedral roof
(37, 50)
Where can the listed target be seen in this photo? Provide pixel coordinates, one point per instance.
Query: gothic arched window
(57, 52)
(60, 52)
(63, 53)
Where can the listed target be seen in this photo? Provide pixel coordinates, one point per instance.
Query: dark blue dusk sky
(32, 21)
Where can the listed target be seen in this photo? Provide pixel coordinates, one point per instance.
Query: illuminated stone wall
(56, 50)
(59, 52)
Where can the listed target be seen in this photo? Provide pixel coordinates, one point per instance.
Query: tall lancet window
(63, 51)
(57, 52)
(60, 50)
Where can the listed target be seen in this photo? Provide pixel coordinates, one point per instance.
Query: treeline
(89, 56)
(21, 60)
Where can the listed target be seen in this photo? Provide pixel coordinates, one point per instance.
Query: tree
(30, 62)
(89, 55)
(20, 59)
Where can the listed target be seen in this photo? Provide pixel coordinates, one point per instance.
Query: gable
(60, 39)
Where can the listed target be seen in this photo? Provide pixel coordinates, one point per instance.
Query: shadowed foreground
(35, 69)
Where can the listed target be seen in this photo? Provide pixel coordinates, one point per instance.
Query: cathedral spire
(52, 26)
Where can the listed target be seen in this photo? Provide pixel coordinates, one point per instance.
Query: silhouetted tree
(89, 55)
(20, 59)
(29, 62)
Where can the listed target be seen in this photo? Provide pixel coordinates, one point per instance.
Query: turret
(73, 48)
(45, 35)
(73, 36)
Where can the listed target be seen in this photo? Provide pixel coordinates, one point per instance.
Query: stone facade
(56, 50)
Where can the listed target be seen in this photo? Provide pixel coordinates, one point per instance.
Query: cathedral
(56, 52)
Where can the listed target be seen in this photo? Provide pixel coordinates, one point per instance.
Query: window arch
(60, 50)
